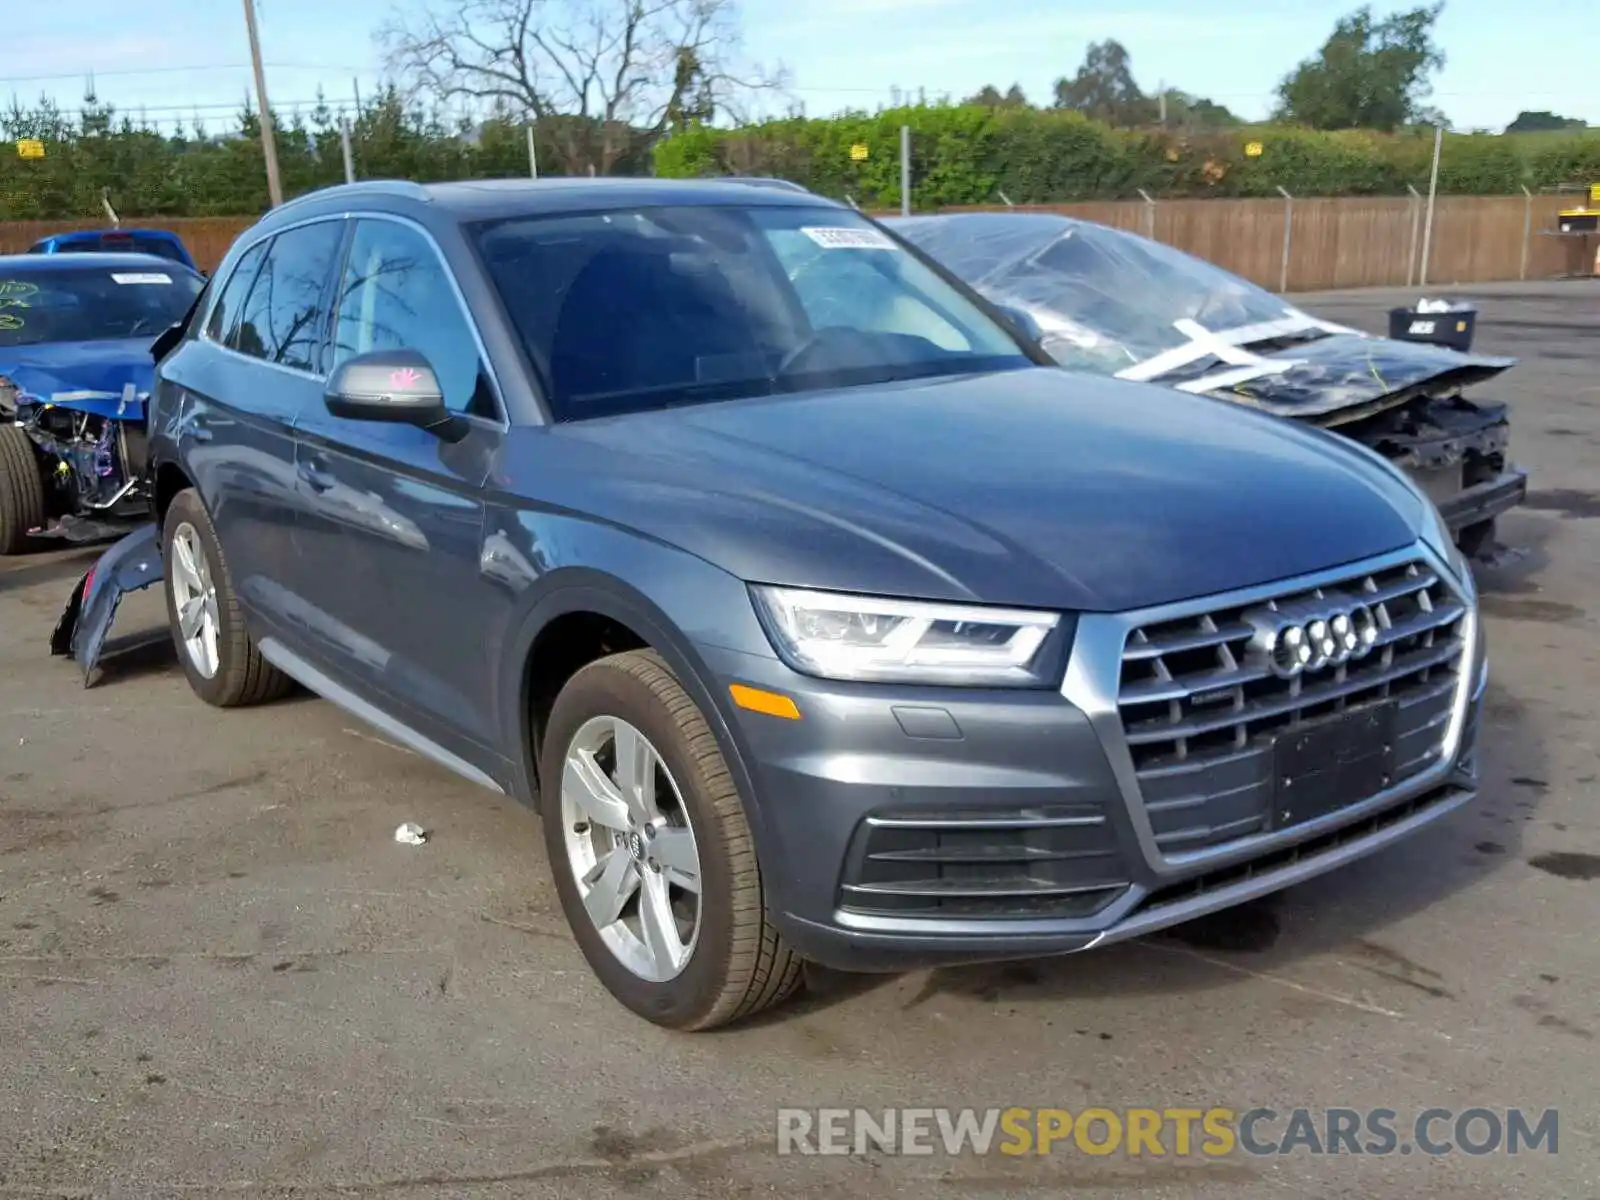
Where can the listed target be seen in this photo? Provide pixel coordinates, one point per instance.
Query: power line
(221, 106)
(276, 66)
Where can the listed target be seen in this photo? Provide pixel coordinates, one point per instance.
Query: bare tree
(600, 75)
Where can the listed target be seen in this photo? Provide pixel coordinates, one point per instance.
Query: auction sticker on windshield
(140, 277)
(830, 238)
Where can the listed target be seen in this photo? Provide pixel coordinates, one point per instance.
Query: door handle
(200, 431)
(316, 478)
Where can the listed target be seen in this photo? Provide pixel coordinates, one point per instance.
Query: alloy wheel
(631, 848)
(194, 597)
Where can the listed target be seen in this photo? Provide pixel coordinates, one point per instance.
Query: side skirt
(314, 679)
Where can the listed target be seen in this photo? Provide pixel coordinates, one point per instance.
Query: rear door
(391, 517)
(244, 380)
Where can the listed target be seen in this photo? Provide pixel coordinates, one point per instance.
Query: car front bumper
(1485, 501)
(875, 780)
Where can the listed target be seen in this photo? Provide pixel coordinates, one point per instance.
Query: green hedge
(964, 154)
(206, 173)
(961, 155)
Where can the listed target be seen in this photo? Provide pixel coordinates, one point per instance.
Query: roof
(40, 264)
(87, 235)
(494, 199)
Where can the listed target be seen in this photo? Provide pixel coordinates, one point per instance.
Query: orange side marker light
(772, 704)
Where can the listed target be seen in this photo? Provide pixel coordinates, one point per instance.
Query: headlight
(863, 638)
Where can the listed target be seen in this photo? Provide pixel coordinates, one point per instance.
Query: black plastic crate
(1453, 329)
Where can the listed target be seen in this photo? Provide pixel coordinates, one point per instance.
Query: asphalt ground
(220, 974)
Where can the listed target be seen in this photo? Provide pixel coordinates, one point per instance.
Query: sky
(176, 59)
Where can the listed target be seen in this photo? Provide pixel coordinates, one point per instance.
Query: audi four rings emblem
(1295, 638)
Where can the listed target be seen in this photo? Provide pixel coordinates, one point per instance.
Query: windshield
(1101, 299)
(629, 310)
(91, 304)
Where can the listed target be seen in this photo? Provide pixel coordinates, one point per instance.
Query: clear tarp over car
(1100, 299)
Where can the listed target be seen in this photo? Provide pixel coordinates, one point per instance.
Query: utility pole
(1288, 240)
(1433, 191)
(1416, 225)
(269, 146)
(905, 170)
(349, 157)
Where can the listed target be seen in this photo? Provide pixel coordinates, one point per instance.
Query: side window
(396, 295)
(284, 317)
(225, 316)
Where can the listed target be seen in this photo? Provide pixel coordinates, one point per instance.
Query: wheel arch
(168, 480)
(608, 612)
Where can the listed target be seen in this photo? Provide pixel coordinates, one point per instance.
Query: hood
(1345, 376)
(1036, 487)
(89, 376)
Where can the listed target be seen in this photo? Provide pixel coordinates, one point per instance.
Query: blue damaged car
(163, 243)
(75, 371)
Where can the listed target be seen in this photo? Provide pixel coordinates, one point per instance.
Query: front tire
(22, 498)
(651, 852)
(218, 655)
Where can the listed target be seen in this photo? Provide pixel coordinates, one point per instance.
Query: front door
(391, 517)
(244, 380)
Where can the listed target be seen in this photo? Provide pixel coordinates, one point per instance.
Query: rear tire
(229, 671)
(22, 498)
(733, 963)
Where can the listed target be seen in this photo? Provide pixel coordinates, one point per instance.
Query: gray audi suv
(818, 614)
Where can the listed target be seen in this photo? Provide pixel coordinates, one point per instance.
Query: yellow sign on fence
(1594, 193)
(1252, 149)
(30, 148)
(858, 152)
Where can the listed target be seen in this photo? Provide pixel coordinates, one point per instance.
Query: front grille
(1038, 862)
(1213, 881)
(1201, 712)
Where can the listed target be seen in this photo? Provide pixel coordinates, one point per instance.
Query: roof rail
(787, 185)
(363, 187)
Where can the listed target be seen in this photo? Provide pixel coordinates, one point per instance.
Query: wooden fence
(1334, 243)
(1351, 242)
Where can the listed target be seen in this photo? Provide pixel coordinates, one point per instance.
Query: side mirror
(1021, 321)
(168, 339)
(398, 386)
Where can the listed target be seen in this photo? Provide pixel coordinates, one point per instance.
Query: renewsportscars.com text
(1211, 1133)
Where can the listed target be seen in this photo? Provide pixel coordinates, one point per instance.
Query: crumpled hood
(1346, 371)
(90, 376)
(1036, 487)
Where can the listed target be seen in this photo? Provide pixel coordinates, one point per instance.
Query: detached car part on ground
(1102, 300)
(817, 612)
(75, 373)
